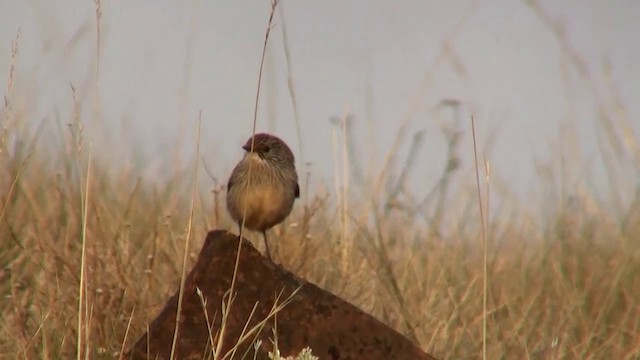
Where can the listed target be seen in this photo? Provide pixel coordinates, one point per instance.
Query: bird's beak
(247, 147)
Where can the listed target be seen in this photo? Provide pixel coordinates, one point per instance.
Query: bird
(263, 186)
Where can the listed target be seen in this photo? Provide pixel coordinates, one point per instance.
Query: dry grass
(569, 287)
(566, 286)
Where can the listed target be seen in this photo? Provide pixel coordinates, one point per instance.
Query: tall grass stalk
(484, 241)
(84, 199)
(227, 306)
(187, 240)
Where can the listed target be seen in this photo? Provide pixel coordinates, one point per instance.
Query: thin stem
(484, 244)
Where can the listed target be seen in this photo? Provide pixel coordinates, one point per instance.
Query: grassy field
(568, 288)
(564, 284)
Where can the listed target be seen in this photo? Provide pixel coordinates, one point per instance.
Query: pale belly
(266, 206)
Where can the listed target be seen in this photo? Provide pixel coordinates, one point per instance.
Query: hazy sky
(383, 62)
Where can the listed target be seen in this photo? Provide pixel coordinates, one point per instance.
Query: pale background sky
(163, 61)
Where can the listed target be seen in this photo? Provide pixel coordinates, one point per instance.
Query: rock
(331, 327)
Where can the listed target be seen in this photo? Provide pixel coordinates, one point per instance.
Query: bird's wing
(232, 179)
(229, 184)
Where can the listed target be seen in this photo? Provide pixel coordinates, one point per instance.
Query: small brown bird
(263, 186)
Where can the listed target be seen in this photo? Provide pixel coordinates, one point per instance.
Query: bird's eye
(267, 148)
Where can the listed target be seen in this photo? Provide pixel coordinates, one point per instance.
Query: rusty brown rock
(331, 327)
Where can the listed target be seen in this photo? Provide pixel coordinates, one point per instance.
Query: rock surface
(331, 327)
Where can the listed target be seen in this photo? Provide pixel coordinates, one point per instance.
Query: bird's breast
(266, 205)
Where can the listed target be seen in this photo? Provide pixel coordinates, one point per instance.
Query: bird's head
(269, 148)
